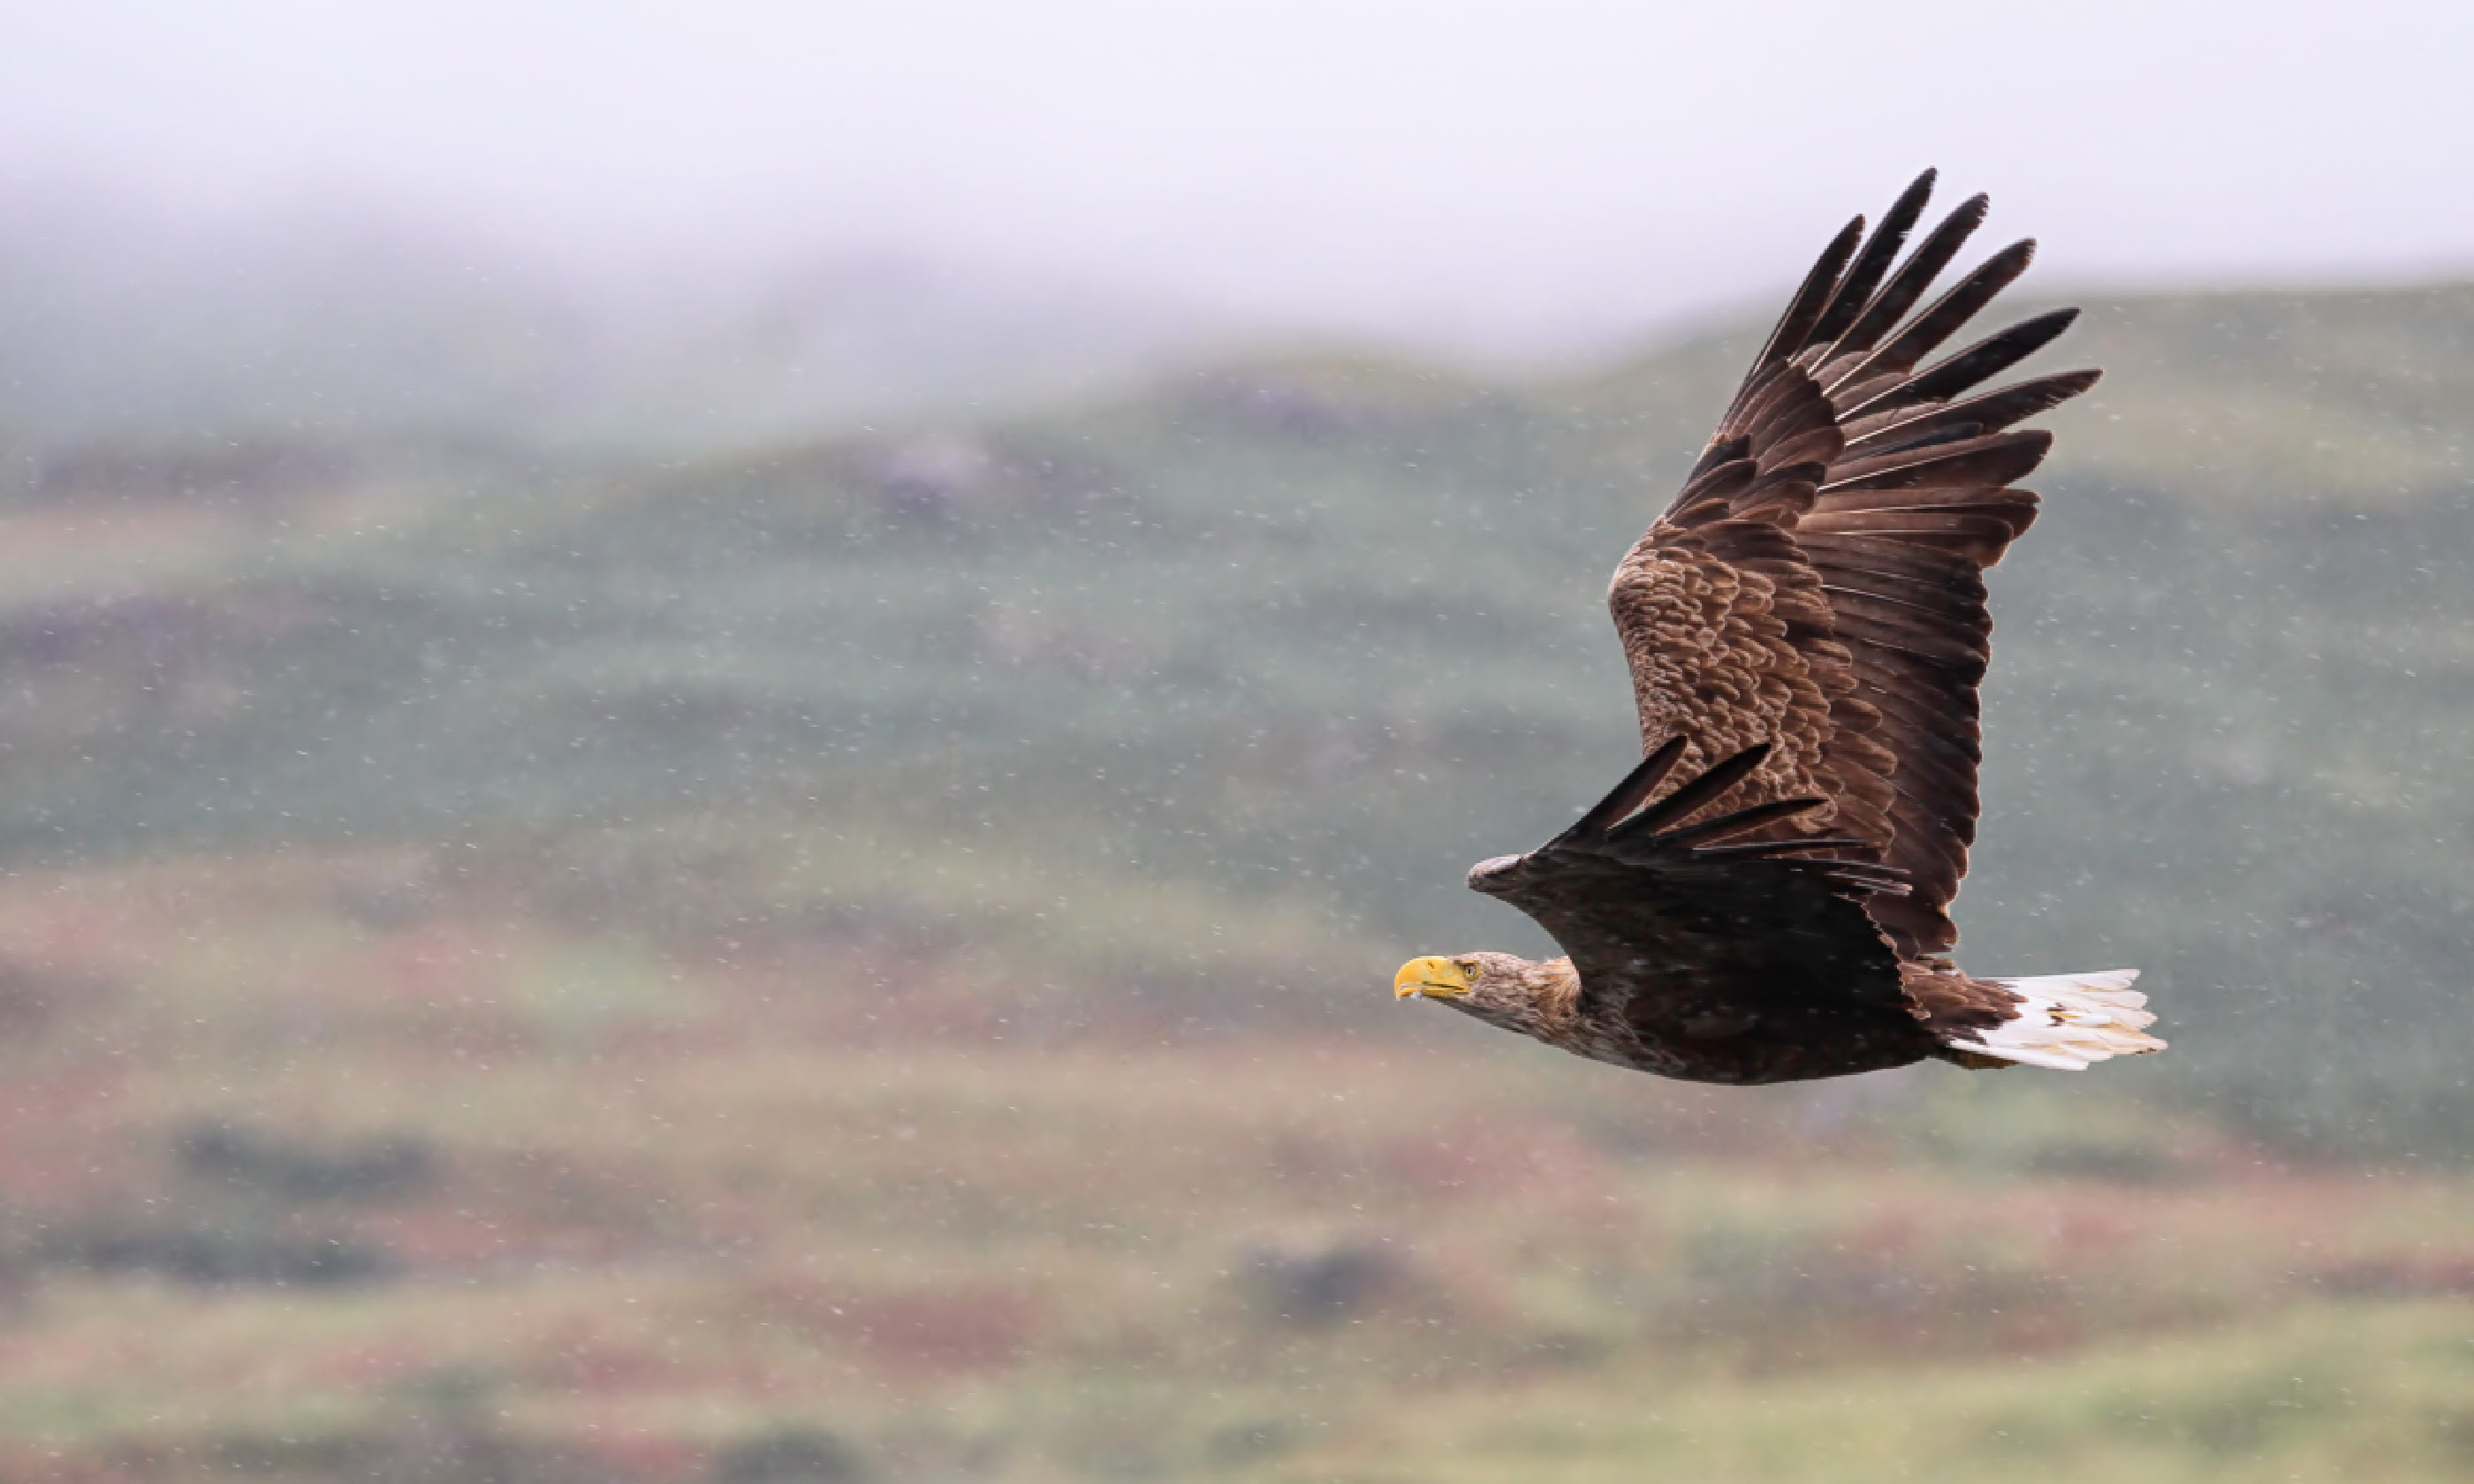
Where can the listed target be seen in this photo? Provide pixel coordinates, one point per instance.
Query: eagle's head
(1500, 988)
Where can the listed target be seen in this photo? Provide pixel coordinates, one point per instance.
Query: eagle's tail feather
(2069, 1022)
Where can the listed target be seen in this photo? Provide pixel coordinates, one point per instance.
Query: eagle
(1806, 629)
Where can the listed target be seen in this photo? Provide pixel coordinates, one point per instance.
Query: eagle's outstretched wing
(1752, 961)
(1817, 585)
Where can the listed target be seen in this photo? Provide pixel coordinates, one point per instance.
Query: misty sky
(1513, 175)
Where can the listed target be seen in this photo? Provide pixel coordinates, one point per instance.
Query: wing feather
(1758, 955)
(1984, 360)
(1887, 430)
(1900, 295)
(1816, 586)
(1926, 331)
(1988, 461)
(1873, 264)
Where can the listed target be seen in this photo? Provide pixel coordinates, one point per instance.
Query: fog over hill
(118, 319)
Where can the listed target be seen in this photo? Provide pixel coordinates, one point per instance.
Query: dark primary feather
(1902, 291)
(1873, 264)
(1699, 791)
(1627, 796)
(1620, 827)
(1804, 310)
(1991, 412)
(1943, 320)
(1759, 850)
(1983, 360)
(1725, 827)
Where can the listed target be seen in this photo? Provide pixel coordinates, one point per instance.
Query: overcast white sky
(1516, 173)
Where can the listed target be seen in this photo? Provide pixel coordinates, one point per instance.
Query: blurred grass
(743, 1193)
(2371, 1392)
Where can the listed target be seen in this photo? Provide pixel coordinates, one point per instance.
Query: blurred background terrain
(783, 868)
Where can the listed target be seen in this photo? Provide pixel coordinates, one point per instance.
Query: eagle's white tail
(2069, 1021)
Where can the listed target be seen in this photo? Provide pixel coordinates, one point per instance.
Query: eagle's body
(1806, 630)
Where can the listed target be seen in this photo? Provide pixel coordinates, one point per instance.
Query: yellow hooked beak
(1436, 978)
